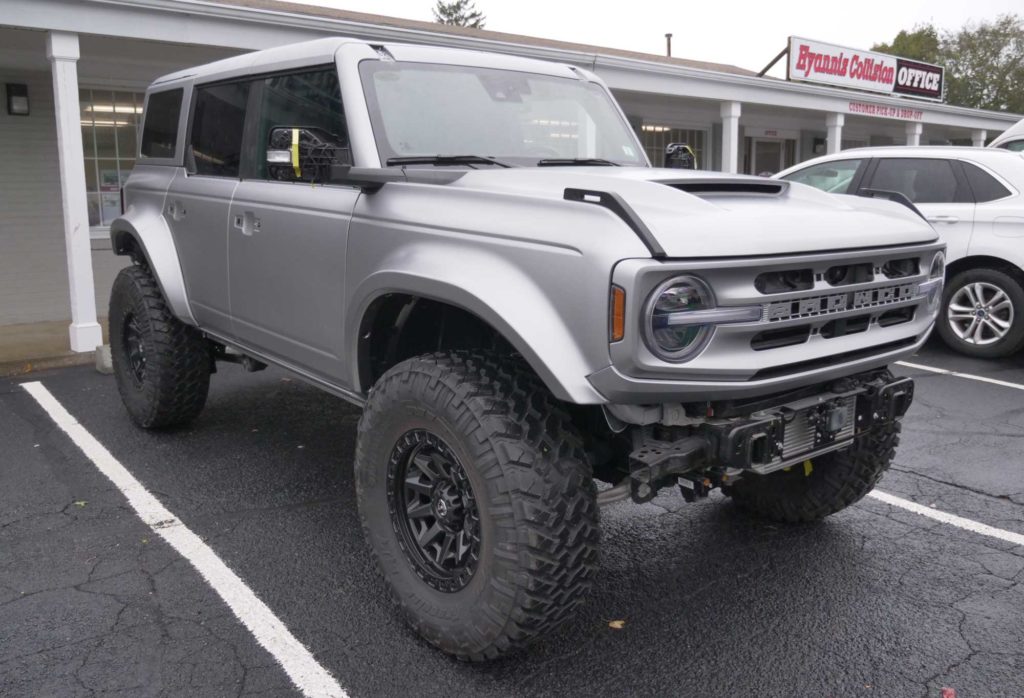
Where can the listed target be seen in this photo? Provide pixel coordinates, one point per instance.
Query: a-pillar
(914, 133)
(835, 122)
(730, 136)
(62, 51)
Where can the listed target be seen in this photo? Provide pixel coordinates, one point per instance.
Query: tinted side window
(923, 181)
(985, 186)
(1015, 146)
(218, 122)
(160, 130)
(308, 100)
(833, 177)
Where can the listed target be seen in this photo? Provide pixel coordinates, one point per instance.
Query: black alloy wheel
(134, 348)
(434, 511)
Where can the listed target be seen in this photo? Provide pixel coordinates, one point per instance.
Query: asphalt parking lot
(875, 601)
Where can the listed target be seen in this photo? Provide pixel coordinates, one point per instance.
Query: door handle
(248, 223)
(176, 210)
(943, 219)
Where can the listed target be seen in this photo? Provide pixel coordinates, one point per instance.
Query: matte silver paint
(287, 271)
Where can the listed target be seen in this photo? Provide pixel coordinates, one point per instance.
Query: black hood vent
(728, 186)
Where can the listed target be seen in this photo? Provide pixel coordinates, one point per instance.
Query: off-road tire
(532, 483)
(176, 376)
(834, 481)
(1012, 342)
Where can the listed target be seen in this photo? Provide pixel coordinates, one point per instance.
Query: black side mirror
(680, 156)
(304, 154)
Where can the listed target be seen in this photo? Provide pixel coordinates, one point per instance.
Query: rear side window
(1015, 146)
(218, 122)
(834, 177)
(985, 186)
(922, 180)
(160, 130)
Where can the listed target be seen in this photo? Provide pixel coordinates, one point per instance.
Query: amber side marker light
(617, 314)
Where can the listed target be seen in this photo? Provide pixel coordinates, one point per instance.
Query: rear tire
(972, 291)
(508, 460)
(812, 490)
(162, 366)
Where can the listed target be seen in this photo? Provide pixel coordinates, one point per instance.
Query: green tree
(922, 43)
(459, 13)
(984, 61)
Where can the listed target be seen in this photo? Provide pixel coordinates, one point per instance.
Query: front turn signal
(617, 314)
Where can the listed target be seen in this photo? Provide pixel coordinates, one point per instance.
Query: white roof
(324, 50)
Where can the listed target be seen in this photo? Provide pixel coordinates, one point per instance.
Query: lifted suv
(474, 250)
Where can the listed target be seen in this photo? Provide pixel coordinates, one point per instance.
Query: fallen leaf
(617, 624)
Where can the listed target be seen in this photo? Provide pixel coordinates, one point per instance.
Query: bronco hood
(708, 214)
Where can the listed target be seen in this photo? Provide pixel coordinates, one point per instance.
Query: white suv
(973, 198)
(1010, 139)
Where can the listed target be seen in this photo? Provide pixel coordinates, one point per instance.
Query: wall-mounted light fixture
(17, 99)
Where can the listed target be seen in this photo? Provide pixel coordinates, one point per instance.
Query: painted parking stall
(877, 595)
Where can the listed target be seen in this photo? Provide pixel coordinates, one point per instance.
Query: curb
(10, 369)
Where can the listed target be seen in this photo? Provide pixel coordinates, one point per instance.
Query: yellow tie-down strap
(295, 152)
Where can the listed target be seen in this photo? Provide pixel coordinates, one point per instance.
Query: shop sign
(828, 64)
(886, 110)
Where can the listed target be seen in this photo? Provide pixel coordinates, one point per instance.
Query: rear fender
(148, 232)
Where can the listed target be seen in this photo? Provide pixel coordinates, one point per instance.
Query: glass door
(767, 156)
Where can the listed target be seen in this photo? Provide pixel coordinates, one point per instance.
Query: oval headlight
(668, 333)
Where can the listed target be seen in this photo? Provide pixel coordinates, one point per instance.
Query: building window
(655, 137)
(110, 121)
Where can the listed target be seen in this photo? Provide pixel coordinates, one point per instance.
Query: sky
(738, 32)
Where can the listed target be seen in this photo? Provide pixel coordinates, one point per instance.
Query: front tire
(983, 314)
(161, 365)
(476, 497)
(812, 490)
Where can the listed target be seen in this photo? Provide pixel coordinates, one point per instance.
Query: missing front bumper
(769, 439)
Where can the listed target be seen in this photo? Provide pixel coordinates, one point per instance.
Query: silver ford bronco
(474, 250)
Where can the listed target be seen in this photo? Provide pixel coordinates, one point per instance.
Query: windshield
(421, 109)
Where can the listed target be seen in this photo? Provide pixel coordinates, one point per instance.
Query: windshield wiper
(556, 162)
(442, 160)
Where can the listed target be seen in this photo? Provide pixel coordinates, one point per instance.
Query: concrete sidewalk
(37, 345)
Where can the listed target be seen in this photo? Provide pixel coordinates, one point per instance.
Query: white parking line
(968, 376)
(951, 519)
(305, 672)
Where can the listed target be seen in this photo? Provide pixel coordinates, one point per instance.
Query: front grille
(804, 326)
(816, 306)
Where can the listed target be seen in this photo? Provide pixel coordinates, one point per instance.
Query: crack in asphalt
(1008, 498)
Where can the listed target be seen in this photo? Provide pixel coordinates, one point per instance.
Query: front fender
(149, 233)
(501, 294)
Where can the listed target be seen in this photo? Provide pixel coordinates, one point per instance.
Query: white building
(85, 64)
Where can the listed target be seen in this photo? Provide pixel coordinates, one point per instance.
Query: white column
(914, 133)
(62, 50)
(730, 136)
(978, 137)
(835, 122)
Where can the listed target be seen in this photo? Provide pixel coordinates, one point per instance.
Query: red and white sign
(828, 64)
(886, 110)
